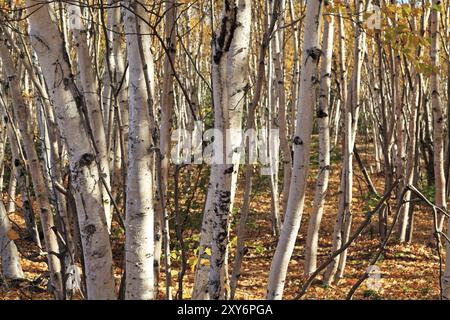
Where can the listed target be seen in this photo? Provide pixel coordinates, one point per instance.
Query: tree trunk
(302, 146)
(35, 169)
(70, 109)
(230, 72)
(167, 104)
(438, 134)
(89, 91)
(139, 207)
(323, 121)
(11, 268)
(344, 216)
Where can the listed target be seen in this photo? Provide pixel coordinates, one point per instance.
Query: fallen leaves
(408, 271)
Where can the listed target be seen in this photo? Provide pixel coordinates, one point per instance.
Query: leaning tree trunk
(89, 91)
(269, 124)
(22, 116)
(9, 255)
(344, 216)
(18, 178)
(11, 268)
(294, 91)
(324, 149)
(250, 151)
(302, 146)
(400, 157)
(359, 50)
(412, 142)
(71, 114)
(200, 290)
(279, 89)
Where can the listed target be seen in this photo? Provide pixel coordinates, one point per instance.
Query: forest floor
(408, 271)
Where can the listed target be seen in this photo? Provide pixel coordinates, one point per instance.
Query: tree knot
(314, 53)
(298, 141)
(90, 229)
(321, 114)
(229, 170)
(86, 159)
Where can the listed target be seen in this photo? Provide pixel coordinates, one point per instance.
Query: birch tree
(167, 105)
(323, 121)
(438, 131)
(35, 168)
(302, 146)
(230, 57)
(89, 92)
(139, 207)
(70, 110)
(344, 218)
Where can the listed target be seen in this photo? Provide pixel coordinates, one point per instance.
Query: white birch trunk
(323, 121)
(230, 72)
(11, 267)
(438, 134)
(278, 58)
(411, 145)
(167, 104)
(302, 145)
(200, 290)
(344, 215)
(35, 169)
(139, 207)
(89, 90)
(46, 41)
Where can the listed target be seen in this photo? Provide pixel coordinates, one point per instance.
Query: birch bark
(37, 175)
(139, 243)
(230, 72)
(69, 107)
(323, 121)
(89, 91)
(438, 132)
(302, 146)
(11, 267)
